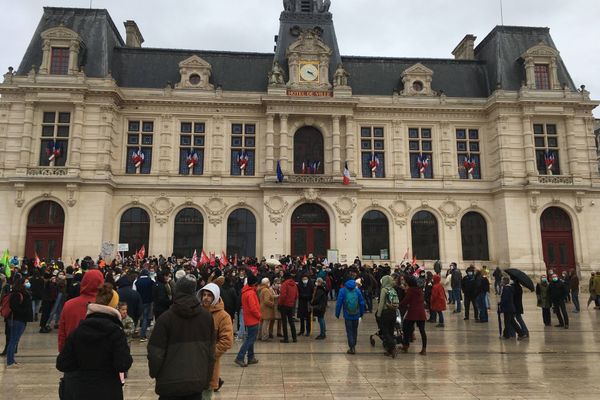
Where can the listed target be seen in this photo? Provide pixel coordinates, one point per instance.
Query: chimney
(465, 49)
(134, 37)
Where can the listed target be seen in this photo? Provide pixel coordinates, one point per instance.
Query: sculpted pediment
(309, 43)
(540, 50)
(417, 81)
(60, 33)
(418, 69)
(195, 74)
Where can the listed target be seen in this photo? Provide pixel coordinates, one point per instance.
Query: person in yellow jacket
(210, 297)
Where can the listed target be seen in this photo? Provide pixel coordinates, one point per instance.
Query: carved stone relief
(579, 201)
(345, 207)
(400, 209)
(162, 208)
(276, 206)
(533, 201)
(215, 208)
(310, 194)
(19, 194)
(450, 211)
(71, 195)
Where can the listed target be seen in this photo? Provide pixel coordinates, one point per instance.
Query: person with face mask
(557, 291)
(212, 302)
(305, 292)
(21, 313)
(319, 304)
(507, 307)
(470, 287)
(543, 300)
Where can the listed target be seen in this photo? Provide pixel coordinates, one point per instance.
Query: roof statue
(323, 5)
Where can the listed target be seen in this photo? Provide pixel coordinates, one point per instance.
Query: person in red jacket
(286, 303)
(252, 317)
(415, 314)
(437, 304)
(74, 310)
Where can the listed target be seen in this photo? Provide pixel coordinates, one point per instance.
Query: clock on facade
(309, 72)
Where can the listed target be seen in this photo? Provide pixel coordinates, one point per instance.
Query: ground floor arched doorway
(45, 229)
(557, 240)
(310, 231)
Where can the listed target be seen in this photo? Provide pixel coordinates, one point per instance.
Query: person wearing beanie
(181, 350)
(97, 351)
(252, 317)
(210, 296)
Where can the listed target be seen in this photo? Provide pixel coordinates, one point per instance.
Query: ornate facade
(489, 157)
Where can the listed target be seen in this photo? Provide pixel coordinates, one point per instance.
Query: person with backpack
(352, 302)
(386, 313)
(21, 313)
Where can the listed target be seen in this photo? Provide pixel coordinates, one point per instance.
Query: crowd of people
(190, 315)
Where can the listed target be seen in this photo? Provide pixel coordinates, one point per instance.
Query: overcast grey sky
(394, 28)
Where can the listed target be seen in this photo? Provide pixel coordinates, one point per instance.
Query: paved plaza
(465, 360)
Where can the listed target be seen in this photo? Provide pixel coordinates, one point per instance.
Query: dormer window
(61, 48)
(59, 61)
(417, 81)
(195, 74)
(541, 71)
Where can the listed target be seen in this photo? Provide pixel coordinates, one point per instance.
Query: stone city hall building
(488, 157)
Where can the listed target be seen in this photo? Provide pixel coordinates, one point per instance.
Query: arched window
(135, 230)
(308, 151)
(189, 231)
(473, 231)
(241, 233)
(555, 219)
(375, 236)
(425, 239)
(45, 228)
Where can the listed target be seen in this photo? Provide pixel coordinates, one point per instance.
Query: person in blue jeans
(21, 314)
(481, 299)
(144, 286)
(252, 317)
(350, 299)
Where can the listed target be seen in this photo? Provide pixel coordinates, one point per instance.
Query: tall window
(542, 76)
(191, 150)
(473, 232)
(372, 147)
(189, 232)
(546, 149)
(469, 153)
(375, 236)
(420, 146)
(241, 233)
(425, 239)
(59, 61)
(243, 145)
(55, 138)
(135, 230)
(140, 136)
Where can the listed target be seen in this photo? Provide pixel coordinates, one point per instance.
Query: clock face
(309, 72)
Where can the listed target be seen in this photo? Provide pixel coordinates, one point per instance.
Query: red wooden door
(557, 240)
(310, 239)
(45, 228)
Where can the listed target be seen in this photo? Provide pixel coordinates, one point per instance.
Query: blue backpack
(351, 302)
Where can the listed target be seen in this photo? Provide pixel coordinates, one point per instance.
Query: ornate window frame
(195, 74)
(541, 54)
(61, 37)
(417, 81)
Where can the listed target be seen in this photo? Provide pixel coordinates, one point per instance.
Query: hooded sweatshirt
(438, 295)
(75, 309)
(349, 286)
(181, 350)
(387, 284)
(250, 306)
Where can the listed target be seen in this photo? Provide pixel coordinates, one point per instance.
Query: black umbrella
(521, 277)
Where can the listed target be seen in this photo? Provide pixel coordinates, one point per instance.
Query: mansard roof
(497, 61)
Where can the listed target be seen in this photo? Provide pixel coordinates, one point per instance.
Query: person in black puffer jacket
(131, 297)
(97, 352)
(21, 314)
(161, 296)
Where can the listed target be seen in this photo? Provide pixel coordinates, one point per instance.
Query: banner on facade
(123, 247)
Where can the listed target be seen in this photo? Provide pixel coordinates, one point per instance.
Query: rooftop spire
(307, 6)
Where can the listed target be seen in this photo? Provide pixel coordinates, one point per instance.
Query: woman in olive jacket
(97, 352)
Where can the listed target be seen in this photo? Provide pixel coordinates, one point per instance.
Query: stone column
(350, 138)
(76, 139)
(164, 145)
(530, 165)
(446, 164)
(216, 164)
(284, 142)
(270, 158)
(571, 146)
(336, 158)
(398, 150)
(26, 141)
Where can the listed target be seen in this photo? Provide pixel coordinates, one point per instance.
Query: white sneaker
(13, 366)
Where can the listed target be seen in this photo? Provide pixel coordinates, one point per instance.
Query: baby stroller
(398, 329)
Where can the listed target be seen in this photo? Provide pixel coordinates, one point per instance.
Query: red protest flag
(224, 261)
(414, 261)
(204, 258)
(141, 253)
(213, 261)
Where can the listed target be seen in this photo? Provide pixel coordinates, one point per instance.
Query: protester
(557, 291)
(438, 301)
(131, 297)
(319, 306)
(386, 314)
(483, 289)
(145, 287)
(210, 296)
(266, 298)
(456, 284)
(126, 320)
(352, 302)
(415, 315)
(21, 312)
(251, 310)
(518, 292)
(305, 292)
(508, 308)
(286, 302)
(591, 289)
(470, 289)
(574, 288)
(97, 351)
(543, 300)
(181, 350)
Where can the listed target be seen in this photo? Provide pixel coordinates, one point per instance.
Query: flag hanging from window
(192, 159)
(53, 151)
(374, 164)
(279, 172)
(549, 160)
(346, 177)
(137, 158)
(242, 160)
(469, 164)
(422, 163)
